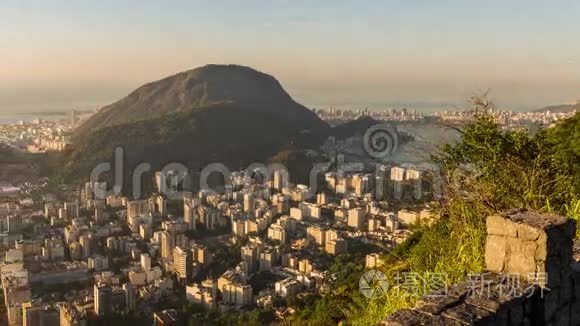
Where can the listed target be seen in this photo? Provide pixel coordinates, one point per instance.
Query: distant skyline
(59, 55)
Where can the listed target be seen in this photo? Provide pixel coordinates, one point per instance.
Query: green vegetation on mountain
(232, 115)
(17, 166)
(489, 170)
(203, 87)
(216, 134)
(10, 155)
(226, 114)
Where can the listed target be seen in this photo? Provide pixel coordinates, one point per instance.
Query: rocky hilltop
(203, 87)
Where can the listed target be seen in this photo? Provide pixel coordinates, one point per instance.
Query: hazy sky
(84, 54)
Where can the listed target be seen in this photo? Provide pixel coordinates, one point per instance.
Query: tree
(487, 171)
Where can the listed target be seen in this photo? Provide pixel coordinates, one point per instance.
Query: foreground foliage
(487, 171)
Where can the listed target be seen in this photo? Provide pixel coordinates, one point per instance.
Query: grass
(454, 247)
(488, 171)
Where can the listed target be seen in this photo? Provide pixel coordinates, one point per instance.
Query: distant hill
(214, 114)
(221, 133)
(226, 114)
(204, 87)
(560, 108)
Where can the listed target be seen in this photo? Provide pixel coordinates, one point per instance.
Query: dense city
(76, 254)
(263, 241)
(319, 163)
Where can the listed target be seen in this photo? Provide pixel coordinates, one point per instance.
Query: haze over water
(63, 55)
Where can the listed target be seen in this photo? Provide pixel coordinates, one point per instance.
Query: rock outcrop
(533, 278)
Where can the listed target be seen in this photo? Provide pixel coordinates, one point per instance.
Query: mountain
(560, 108)
(354, 127)
(202, 87)
(232, 115)
(17, 166)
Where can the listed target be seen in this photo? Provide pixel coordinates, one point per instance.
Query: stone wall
(533, 278)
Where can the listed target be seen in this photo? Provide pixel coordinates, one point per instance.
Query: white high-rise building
(182, 263)
(356, 218)
(414, 176)
(167, 241)
(277, 232)
(72, 209)
(136, 208)
(397, 173)
(190, 213)
(103, 299)
(248, 203)
(280, 179)
(130, 296)
(145, 261)
(250, 254)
